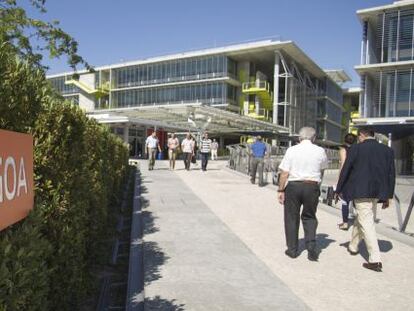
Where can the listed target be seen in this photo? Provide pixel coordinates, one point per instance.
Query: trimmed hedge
(46, 260)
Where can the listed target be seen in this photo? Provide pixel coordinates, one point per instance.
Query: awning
(188, 117)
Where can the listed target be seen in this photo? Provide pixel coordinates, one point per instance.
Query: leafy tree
(30, 37)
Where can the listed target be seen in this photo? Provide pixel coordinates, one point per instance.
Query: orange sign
(16, 177)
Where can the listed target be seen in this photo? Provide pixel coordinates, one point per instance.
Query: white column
(126, 133)
(276, 87)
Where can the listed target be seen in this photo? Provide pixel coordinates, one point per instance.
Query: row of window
(177, 70)
(393, 94)
(59, 84)
(210, 93)
(394, 40)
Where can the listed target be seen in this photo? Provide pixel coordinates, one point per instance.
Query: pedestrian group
(367, 178)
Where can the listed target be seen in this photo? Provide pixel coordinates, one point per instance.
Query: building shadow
(384, 246)
(322, 242)
(159, 304)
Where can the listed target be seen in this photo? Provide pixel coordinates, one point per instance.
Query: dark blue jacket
(368, 172)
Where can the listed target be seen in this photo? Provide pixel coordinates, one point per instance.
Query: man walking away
(151, 146)
(173, 144)
(367, 178)
(302, 167)
(205, 149)
(187, 146)
(214, 147)
(258, 152)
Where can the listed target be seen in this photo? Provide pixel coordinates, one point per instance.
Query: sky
(110, 32)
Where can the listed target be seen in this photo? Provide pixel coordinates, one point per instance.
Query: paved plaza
(213, 241)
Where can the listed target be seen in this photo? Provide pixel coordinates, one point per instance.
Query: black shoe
(252, 181)
(313, 255)
(291, 254)
(375, 266)
(352, 252)
(261, 185)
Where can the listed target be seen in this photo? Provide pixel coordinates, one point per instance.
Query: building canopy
(194, 117)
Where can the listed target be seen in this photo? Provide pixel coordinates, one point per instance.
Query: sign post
(16, 177)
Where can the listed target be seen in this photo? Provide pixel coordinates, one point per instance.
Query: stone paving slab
(193, 261)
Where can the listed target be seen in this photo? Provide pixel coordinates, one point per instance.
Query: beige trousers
(364, 228)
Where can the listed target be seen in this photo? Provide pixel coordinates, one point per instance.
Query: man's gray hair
(307, 133)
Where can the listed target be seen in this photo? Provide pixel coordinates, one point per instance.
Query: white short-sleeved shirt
(187, 145)
(304, 162)
(151, 142)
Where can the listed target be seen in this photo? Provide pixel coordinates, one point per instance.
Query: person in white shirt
(187, 146)
(205, 149)
(151, 145)
(301, 174)
(214, 147)
(173, 144)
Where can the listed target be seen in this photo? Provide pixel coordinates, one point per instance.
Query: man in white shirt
(302, 167)
(187, 146)
(151, 146)
(214, 147)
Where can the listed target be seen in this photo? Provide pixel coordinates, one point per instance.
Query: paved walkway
(213, 241)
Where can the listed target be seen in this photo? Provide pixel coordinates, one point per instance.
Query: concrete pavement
(213, 241)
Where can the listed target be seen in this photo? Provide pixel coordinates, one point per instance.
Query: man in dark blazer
(367, 178)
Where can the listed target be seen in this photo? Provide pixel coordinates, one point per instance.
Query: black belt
(312, 182)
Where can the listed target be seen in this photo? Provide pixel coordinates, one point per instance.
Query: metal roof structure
(372, 12)
(188, 117)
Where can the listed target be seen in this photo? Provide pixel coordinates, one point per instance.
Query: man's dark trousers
(257, 166)
(296, 195)
(204, 160)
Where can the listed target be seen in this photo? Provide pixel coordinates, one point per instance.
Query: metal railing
(402, 223)
(240, 159)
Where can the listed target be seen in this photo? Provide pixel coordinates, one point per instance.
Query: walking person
(214, 148)
(187, 146)
(151, 145)
(349, 140)
(173, 145)
(367, 178)
(301, 173)
(258, 151)
(205, 148)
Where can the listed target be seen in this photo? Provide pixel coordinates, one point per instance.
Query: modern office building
(387, 80)
(270, 87)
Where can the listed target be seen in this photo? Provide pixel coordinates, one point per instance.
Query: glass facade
(174, 71)
(64, 89)
(206, 93)
(394, 37)
(391, 93)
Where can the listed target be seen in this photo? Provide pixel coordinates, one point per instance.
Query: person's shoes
(252, 181)
(343, 226)
(352, 252)
(261, 185)
(375, 266)
(291, 254)
(313, 255)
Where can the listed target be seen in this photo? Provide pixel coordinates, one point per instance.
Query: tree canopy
(31, 37)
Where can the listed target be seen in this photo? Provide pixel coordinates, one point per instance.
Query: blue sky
(113, 31)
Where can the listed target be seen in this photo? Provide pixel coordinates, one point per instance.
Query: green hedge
(47, 259)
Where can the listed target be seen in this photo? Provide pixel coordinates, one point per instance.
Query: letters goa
(16, 177)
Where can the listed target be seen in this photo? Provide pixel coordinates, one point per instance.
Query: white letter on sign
(22, 178)
(10, 194)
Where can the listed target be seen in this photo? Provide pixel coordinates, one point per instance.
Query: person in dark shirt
(258, 149)
(367, 178)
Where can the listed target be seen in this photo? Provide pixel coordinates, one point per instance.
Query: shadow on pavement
(157, 303)
(384, 246)
(322, 242)
(154, 257)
